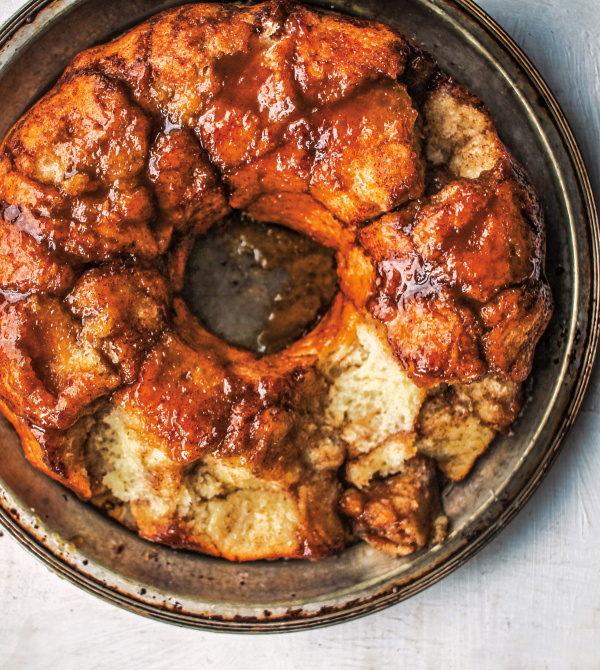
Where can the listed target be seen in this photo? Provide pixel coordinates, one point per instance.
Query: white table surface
(530, 599)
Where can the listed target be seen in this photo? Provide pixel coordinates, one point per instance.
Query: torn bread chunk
(458, 423)
(221, 506)
(460, 132)
(400, 514)
(372, 403)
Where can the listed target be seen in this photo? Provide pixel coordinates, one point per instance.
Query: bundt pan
(97, 554)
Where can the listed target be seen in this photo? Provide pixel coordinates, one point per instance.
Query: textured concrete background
(531, 599)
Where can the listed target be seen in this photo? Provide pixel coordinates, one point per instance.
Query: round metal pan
(105, 559)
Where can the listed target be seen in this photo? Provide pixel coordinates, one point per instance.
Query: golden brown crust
(310, 119)
(123, 310)
(58, 453)
(187, 187)
(72, 171)
(365, 160)
(48, 375)
(27, 266)
(397, 515)
(336, 54)
(448, 270)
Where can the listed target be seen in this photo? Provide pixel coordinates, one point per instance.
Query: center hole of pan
(259, 286)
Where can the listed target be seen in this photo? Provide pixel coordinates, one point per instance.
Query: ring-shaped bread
(340, 128)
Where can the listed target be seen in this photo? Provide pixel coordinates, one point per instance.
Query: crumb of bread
(460, 135)
(385, 459)
(372, 404)
(458, 423)
(220, 503)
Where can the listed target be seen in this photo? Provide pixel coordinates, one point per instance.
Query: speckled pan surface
(97, 554)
